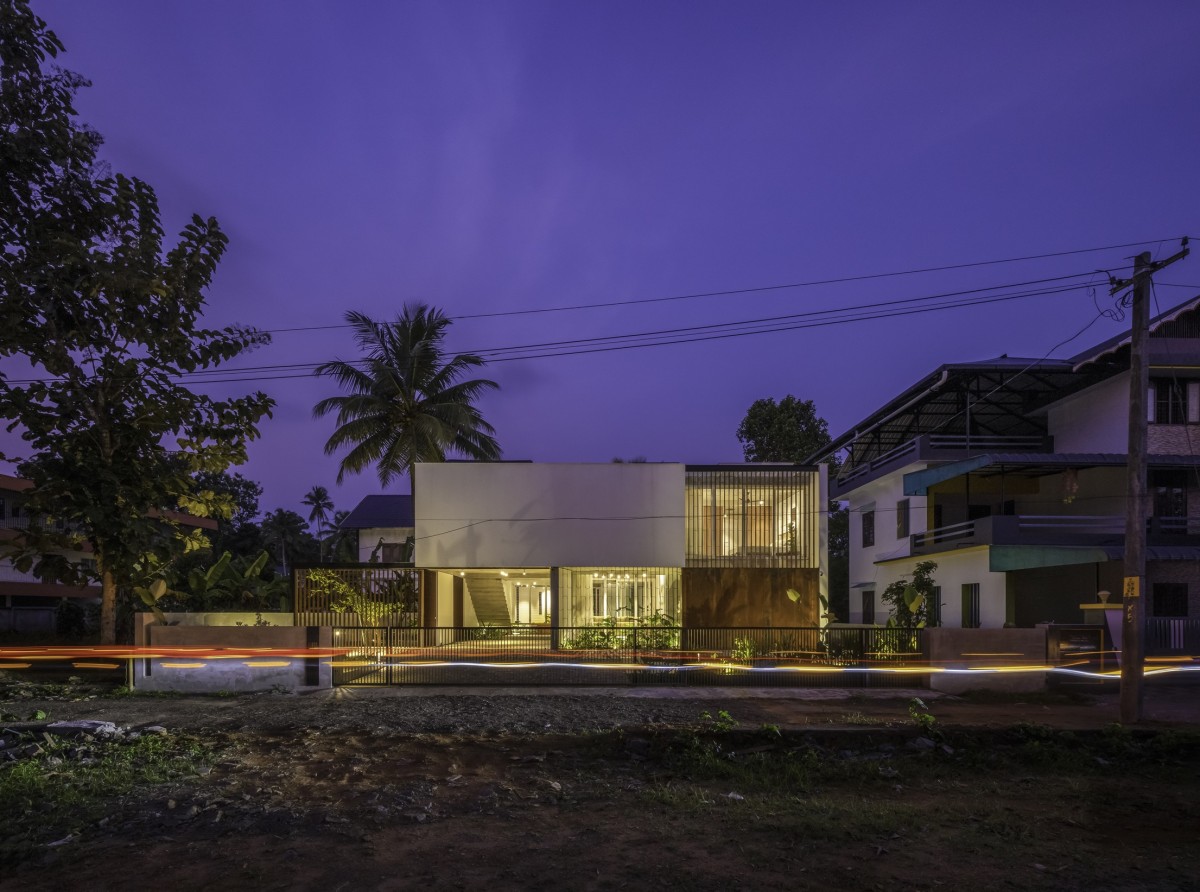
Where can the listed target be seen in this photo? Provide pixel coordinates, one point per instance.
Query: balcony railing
(9, 573)
(1047, 529)
(944, 447)
(24, 522)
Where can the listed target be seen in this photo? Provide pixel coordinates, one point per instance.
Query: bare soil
(597, 790)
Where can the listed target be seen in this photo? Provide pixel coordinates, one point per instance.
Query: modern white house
(577, 545)
(1011, 475)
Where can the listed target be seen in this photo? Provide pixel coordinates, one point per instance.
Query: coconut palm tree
(408, 401)
(287, 532)
(320, 503)
(343, 544)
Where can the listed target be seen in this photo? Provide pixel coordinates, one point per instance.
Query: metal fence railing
(1168, 636)
(766, 657)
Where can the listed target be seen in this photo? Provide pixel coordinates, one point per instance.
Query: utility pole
(1133, 610)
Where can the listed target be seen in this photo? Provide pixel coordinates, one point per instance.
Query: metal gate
(611, 655)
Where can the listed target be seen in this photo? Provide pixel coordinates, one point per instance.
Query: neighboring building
(384, 525)
(28, 604)
(584, 544)
(1011, 474)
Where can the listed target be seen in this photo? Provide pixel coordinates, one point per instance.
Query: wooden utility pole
(1133, 610)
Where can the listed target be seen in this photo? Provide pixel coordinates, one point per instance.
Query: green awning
(1002, 558)
(918, 482)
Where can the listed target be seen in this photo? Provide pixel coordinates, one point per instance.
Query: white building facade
(1011, 475)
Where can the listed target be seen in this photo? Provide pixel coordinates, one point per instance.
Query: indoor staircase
(487, 597)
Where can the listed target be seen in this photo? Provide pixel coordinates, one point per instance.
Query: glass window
(868, 604)
(762, 517)
(902, 519)
(622, 594)
(868, 528)
(1170, 401)
(1170, 599)
(1169, 489)
(970, 606)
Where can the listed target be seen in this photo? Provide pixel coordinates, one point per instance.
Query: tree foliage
(787, 431)
(408, 401)
(107, 318)
(911, 602)
(791, 431)
(288, 538)
(321, 504)
(341, 546)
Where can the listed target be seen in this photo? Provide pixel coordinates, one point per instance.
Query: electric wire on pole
(1133, 610)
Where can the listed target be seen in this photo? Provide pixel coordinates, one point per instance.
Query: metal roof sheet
(380, 511)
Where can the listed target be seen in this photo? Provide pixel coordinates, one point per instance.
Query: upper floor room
(1012, 405)
(648, 514)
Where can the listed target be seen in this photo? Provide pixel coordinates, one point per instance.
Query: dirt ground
(596, 789)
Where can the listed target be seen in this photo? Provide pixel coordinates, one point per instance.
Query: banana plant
(234, 583)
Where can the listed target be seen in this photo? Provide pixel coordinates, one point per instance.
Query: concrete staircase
(487, 597)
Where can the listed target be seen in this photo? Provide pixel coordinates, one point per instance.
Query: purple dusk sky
(495, 156)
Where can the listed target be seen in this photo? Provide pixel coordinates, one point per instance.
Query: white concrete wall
(549, 515)
(958, 568)
(209, 652)
(881, 494)
(1093, 420)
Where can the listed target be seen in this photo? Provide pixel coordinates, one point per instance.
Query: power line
(756, 289)
(600, 346)
(681, 335)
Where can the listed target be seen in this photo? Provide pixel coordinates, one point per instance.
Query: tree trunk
(108, 605)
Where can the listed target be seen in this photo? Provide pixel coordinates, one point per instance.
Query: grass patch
(859, 719)
(70, 783)
(1032, 698)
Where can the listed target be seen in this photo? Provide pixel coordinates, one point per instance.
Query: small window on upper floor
(902, 519)
(1174, 401)
(868, 528)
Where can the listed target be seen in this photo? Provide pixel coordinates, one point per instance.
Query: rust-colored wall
(234, 637)
(747, 596)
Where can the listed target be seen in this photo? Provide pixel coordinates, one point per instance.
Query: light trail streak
(199, 657)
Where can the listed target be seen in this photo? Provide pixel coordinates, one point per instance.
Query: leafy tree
(371, 597)
(318, 499)
(408, 400)
(287, 535)
(792, 431)
(108, 323)
(243, 493)
(910, 601)
(342, 545)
